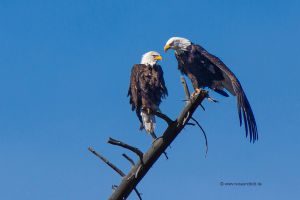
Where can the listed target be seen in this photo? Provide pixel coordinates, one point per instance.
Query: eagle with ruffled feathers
(207, 70)
(147, 89)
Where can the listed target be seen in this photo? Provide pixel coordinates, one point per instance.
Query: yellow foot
(196, 92)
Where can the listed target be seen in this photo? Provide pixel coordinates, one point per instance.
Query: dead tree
(146, 160)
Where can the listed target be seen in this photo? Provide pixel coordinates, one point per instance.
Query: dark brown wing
(133, 87)
(232, 84)
(161, 82)
(134, 90)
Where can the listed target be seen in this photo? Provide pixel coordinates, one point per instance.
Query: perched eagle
(207, 70)
(146, 90)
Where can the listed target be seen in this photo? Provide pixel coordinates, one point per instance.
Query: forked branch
(204, 134)
(126, 146)
(163, 116)
(146, 160)
(115, 168)
(186, 89)
(129, 159)
(140, 169)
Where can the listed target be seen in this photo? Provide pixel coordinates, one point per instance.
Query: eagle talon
(146, 110)
(196, 92)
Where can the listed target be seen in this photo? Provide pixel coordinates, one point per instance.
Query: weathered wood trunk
(130, 181)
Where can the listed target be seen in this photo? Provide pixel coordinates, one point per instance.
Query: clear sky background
(64, 75)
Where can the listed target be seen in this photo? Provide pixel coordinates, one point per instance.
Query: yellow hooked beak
(158, 58)
(167, 46)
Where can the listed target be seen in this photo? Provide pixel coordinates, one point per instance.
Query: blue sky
(64, 74)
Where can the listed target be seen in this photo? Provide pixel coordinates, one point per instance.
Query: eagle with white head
(207, 70)
(147, 89)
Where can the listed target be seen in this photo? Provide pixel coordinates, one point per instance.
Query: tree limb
(189, 123)
(187, 91)
(158, 114)
(126, 146)
(206, 143)
(162, 116)
(186, 88)
(129, 159)
(141, 168)
(116, 169)
(138, 193)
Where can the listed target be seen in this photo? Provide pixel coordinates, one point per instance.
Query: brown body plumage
(147, 88)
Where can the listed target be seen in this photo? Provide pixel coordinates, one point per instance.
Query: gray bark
(139, 170)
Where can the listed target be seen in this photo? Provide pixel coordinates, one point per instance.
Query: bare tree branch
(116, 169)
(129, 159)
(187, 91)
(166, 155)
(138, 193)
(189, 123)
(159, 146)
(159, 114)
(126, 146)
(186, 88)
(162, 116)
(130, 181)
(202, 107)
(114, 187)
(206, 143)
(212, 99)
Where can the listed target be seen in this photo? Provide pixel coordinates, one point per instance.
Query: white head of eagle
(151, 58)
(177, 43)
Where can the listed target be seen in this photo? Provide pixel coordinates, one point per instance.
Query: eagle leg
(153, 136)
(146, 110)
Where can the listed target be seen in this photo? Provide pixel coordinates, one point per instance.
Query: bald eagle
(146, 90)
(207, 70)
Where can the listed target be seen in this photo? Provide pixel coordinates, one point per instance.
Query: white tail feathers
(148, 122)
